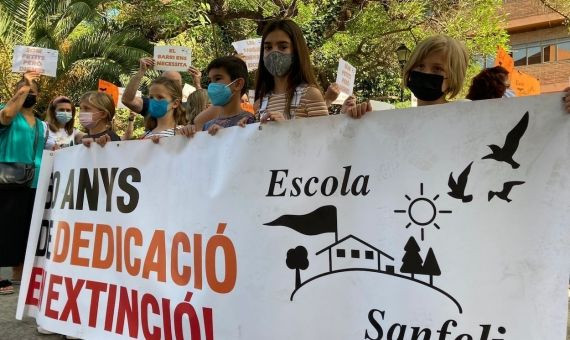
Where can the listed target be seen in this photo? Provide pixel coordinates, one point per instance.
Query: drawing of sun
(422, 211)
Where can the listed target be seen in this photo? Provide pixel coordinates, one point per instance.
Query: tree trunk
(297, 278)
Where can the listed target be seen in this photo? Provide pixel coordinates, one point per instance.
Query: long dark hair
(50, 116)
(301, 70)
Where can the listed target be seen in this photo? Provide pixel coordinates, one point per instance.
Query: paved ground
(12, 329)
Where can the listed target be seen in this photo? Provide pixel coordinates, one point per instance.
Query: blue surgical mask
(63, 117)
(219, 93)
(157, 108)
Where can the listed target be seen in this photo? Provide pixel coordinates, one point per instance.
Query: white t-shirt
(63, 139)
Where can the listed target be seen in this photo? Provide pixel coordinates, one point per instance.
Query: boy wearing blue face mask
(228, 83)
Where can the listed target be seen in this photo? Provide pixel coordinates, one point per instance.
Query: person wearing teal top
(19, 128)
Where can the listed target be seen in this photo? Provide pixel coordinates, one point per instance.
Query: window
(534, 55)
(563, 51)
(355, 253)
(548, 53)
(340, 253)
(519, 57)
(490, 61)
(369, 254)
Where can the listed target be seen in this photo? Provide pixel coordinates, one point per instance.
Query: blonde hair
(457, 60)
(174, 89)
(101, 101)
(197, 102)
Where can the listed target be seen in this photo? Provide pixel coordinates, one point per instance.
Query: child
(60, 117)
(435, 73)
(166, 113)
(228, 83)
(97, 110)
(436, 70)
(198, 101)
(286, 87)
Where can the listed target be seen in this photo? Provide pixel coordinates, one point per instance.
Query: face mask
(425, 86)
(63, 117)
(29, 101)
(278, 63)
(157, 107)
(86, 119)
(509, 93)
(220, 94)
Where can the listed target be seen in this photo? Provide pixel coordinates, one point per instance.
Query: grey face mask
(278, 63)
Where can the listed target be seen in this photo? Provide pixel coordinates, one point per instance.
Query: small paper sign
(115, 92)
(345, 77)
(172, 58)
(187, 90)
(249, 49)
(41, 60)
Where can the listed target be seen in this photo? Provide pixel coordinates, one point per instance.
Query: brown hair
(301, 71)
(457, 60)
(488, 84)
(50, 114)
(197, 102)
(175, 91)
(101, 101)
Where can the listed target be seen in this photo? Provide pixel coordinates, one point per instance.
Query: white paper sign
(345, 76)
(28, 58)
(403, 217)
(186, 91)
(120, 104)
(250, 50)
(340, 99)
(172, 58)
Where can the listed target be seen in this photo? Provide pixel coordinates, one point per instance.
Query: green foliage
(103, 39)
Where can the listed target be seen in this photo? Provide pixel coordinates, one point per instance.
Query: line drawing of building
(352, 252)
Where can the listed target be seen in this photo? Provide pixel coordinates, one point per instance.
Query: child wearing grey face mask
(286, 87)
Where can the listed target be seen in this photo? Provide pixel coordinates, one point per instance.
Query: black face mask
(425, 86)
(29, 101)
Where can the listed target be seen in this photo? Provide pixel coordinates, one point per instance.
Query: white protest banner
(250, 50)
(400, 224)
(29, 58)
(345, 76)
(172, 58)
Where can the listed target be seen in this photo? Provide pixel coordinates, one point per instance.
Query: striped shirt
(164, 133)
(306, 108)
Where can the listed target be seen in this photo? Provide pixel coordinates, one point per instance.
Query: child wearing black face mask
(436, 70)
(435, 73)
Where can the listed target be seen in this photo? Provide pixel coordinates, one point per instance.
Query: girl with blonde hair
(166, 112)
(96, 112)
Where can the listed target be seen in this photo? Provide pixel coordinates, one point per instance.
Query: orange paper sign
(109, 88)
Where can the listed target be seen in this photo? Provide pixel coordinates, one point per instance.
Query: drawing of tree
(412, 261)
(431, 267)
(297, 259)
